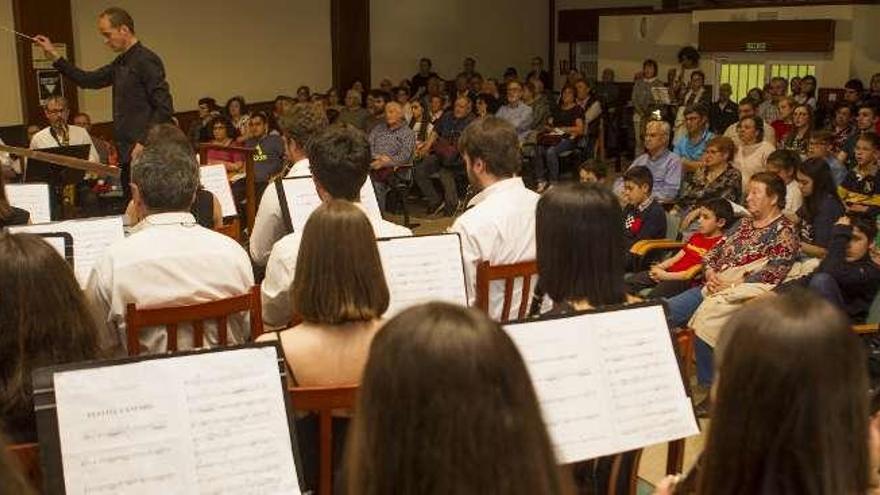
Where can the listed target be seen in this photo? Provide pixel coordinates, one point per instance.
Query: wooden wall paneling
(815, 35)
(350, 32)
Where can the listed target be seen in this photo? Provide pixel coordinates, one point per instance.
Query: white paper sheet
(213, 178)
(34, 198)
(302, 199)
(421, 269)
(58, 244)
(607, 382)
(207, 423)
(91, 238)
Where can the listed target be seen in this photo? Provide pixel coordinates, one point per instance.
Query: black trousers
(637, 282)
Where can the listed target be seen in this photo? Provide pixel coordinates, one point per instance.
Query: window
(743, 77)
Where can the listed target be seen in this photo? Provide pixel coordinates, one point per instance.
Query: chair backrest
(230, 229)
(322, 401)
(27, 458)
(487, 273)
(170, 317)
(249, 177)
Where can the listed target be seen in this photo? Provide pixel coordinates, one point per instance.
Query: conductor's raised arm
(100, 78)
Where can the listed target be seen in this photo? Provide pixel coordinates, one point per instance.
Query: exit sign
(756, 47)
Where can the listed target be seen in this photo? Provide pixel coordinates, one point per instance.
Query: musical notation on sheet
(33, 198)
(213, 179)
(303, 199)
(607, 382)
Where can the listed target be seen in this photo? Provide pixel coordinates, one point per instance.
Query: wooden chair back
(249, 177)
(487, 273)
(230, 229)
(171, 317)
(27, 458)
(322, 401)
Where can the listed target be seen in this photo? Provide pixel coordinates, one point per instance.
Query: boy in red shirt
(673, 275)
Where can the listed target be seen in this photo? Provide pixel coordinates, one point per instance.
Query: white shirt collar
(170, 218)
(301, 167)
(501, 185)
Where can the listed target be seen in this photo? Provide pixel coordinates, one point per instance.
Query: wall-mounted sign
(756, 47)
(41, 59)
(49, 84)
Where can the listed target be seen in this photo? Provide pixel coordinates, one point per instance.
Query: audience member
(44, 321)
(784, 122)
(268, 154)
(333, 100)
(498, 225)
(376, 101)
(692, 143)
(10, 215)
(785, 164)
(567, 129)
(392, 145)
(107, 153)
(419, 82)
(339, 159)
(821, 206)
(756, 95)
(515, 112)
(807, 94)
(853, 91)
(223, 134)
(802, 127)
(769, 109)
(867, 120)
(747, 110)
(533, 96)
(696, 95)
(592, 172)
(59, 133)
(724, 112)
(643, 217)
(752, 149)
(236, 111)
(422, 127)
(822, 146)
(469, 68)
(675, 274)
(860, 189)
(168, 259)
(665, 166)
(587, 99)
(688, 63)
(842, 126)
(445, 159)
(405, 440)
(298, 126)
(716, 179)
(353, 113)
(485, 105)
(199, 132)
(539, 72)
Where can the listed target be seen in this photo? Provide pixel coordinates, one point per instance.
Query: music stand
(57, 176)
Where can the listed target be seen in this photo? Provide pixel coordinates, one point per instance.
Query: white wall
(497, 33)
(10, 97)
(258, 48)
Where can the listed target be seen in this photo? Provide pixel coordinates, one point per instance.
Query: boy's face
(819, 149)
(635, 194)
(775, 168)
(865, 153)
(858, 246)
(709, 223)
(588, 177)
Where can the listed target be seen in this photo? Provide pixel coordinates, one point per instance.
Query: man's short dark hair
(855, 84)
(722, 210)
(210, 102)
(302, 122)
(697, 108)
(871, 138)
(494, 141)
(748, 101)
(787, 160)
(167, 176)
(118, 17)
(865, 224)
(339, 159)
(378, 93)
(869, 106)
(640, 176)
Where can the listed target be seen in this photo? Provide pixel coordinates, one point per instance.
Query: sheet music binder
(47, 419)
(68, 244)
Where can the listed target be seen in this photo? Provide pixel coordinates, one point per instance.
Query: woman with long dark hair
(822, 206)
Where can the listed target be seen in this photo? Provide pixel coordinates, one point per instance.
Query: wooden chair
(322, 401)
(231, 229)
(170, 317)
(249, 177)
(27, 457)
(487, 273)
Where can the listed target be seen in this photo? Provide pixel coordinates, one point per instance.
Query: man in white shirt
(747, 108)
(59, 133)
(298, 125)
(340, 161)
(499, 224)
(168, 260)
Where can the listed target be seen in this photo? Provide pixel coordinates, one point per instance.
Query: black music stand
(57, 176)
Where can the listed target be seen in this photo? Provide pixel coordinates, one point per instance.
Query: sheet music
(213, 179)
(58, 244)
(302, 199)
(211, 423)
(31, 197)
(91, 238)
(607, 382)
(421, 269)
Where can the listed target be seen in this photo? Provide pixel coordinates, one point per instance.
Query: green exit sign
(756, 47)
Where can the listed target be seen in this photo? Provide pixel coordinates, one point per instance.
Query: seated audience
(485, 105)
(539, 72)
(754, 257)
(695, 95)
(224, 134)
(675, 274)
(567, 123)
(353, 113)
(44, 321)
(644, 103)
(643, 216)
(715, 179)
(769, 110)
(419, 82)
(802, 126)
(236, 111)
(592, 172)
(303, 94)
(59, 133)
(752, 149)
(784, 122)
(533, 96)
(665, 166)
(436, 105)
(404, 439)
(867, 119)
(860, 189)
(392, 145)
(785, 164)
(515, 112)
(821, 206)
(498, 225)
(376, 101)
(822, 147)
(853, 92)
(724, 112)
(199, 132)
(747, 109)
(268, 150)
(589, 102)
(807, 94)
(107, 153)
(10, 215)
(445, 159)
(339, 159)
(695, 136)
(168, 260)
(842, 126)
(421, 126)
(298, 126)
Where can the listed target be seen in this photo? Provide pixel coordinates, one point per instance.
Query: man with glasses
(769, 110)
(59, 133)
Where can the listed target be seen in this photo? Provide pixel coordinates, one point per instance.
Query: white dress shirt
(276, 287)
(77, 135)
(269, 222)
(498, 227)
(168, 260)
(751, 159)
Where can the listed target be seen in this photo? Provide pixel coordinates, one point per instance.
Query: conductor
(141, 95)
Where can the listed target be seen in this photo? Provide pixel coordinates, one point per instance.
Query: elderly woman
(751, 157)
(802, 127)
(353, 113)
(715, 179)
(750, 261)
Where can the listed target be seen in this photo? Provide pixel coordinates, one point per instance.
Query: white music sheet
(91, 238)
(607, 382)
(58, 244)
(34, 198)
(213, 178)
(204, 423)
(421, 269)
(302, 199)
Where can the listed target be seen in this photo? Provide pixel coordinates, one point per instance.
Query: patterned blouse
(746, 243)
(728, 185)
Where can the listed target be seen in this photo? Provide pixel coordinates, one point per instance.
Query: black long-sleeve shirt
(858, 280)
(141, 95)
